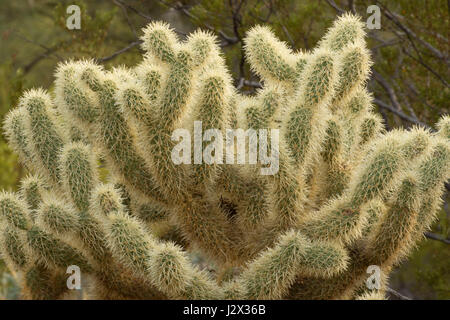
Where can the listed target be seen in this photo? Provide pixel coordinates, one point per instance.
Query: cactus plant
(346, 195)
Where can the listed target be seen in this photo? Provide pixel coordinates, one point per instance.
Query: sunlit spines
(54, 252)
(375, 174)
(45, 134)
(106, 198)
(384, 244)
(15, 211)
(372, 295)
(57, 217)
(335, 221)
(14, 126)
(435, 169)
(371, 127)
(151, 77)
(270, 58)
(160, 41)
(444, 127)
(354, 68)
(114, 136)
(272, 273)
(347, 29)
(79, 172)
(31, 189)
(71, 94)
(212, 110)
(306, 122)
(204, 47)
(13, 247)
(129, 242)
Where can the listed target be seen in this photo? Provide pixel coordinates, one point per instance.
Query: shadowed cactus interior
(347, 194)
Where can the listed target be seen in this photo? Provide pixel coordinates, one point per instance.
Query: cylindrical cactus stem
(106, 198)
(270, 58)
(72, 98)
(351, 117)
(177, 91)
(385, 246)
(129, 242)
(271, 274)
(165, 266)
(79, 227)
(376, 209)
(300, 64)
(79, 174)
(43, 245)
(306, 121)
(287, 194)
(371, 127)
(444, 127)
(340, 150)
(173, 103)
(160, 42)
(269, 108)
(354, 68)
(435, 169)
(138, 108)
(15, 211)
(15, 133)
(151, 77)
(343, 218)
(32, 189)
(44, 283)
(150, 212)
(333, 153)
(172, 273)
(114, 136)
(57, 217)
(433, 172)
(346, 30)
(212, 112)
(208, 226)
(13, 248)
(204, 48)
(53, 252)
(387, 160)
(45, 134)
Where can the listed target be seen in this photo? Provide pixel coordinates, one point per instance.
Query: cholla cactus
(347, 195)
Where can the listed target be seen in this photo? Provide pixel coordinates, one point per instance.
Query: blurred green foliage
(34, 39)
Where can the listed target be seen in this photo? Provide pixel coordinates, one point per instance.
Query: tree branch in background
(115, 54)
(397, 294)
(335, 6)
(229, 40)
(399, 113)
(437, 237)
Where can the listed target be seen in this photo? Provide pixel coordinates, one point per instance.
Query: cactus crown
(346, 194)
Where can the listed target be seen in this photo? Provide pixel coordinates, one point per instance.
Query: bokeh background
(410, 77)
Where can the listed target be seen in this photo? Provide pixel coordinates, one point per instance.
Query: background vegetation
(410, 78)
